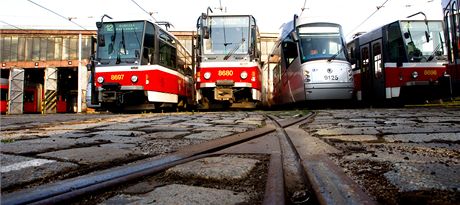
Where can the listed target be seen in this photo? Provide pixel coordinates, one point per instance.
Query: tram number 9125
(331, 77)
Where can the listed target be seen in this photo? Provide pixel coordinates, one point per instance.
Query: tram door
(366, 77)
(376, 70)
(372, 75)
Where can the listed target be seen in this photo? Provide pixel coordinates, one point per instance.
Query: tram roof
(316, 19)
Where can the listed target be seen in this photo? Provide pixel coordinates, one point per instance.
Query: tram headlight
(207, 75)
(244, 75)
(134, 78)
(100, 79)
(414, 74)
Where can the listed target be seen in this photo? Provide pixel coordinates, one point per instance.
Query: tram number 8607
(331, 77)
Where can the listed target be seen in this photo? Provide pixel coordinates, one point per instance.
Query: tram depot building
(44, 71)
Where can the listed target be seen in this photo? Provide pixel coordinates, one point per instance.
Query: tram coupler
(221, 93)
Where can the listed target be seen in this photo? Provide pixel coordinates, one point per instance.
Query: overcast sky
(270, 14)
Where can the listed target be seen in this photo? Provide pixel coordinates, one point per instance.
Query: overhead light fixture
(69, 62)
(36, 64)
(3, 64)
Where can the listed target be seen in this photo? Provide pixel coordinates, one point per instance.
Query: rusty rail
(71, 188)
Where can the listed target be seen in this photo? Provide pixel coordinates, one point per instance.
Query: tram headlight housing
(207, 75)
(100, 79)
(414, 75)
(134, 78)
(244, 75)
(306, 74)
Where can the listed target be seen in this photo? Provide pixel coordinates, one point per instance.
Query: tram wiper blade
(335, 55)
(434, 53)
(237, 46)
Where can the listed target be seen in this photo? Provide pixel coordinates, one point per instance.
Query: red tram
(138, 66)
(228, 62)
(3, 95)
(403, 60)
(451, 30)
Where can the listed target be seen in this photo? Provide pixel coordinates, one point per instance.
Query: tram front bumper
(328, 92)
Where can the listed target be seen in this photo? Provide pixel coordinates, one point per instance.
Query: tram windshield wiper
(122, 47)
(434, 53)
(237, 46)
(335, 55)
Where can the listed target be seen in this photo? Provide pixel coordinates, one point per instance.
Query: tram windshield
(424, 42)
(321, 41)
(120, 42)
(227, 35)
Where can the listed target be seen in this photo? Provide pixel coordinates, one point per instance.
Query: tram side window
(289, 51)
(167, 51)
(395, 43)
(377, 54)
(149, 45)
(364, 59)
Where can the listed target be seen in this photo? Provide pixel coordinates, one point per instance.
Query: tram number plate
(225, 73)
(117, 77)
(331, 77)
(430, 72)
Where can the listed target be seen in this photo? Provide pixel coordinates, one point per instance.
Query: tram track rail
(327, 186)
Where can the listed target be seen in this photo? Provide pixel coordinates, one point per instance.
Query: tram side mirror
(294, 36)
(427, 36)
(101, 40)
(99, 25)
(204, 26)
(205, 32)
(406, 35)
(89, 67)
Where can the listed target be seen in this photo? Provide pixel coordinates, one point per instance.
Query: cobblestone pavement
(35, 147)
(399, 156)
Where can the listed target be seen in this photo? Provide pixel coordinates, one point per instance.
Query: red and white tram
(228, 72)
(451, 30)
(403, 60)
(139, 65)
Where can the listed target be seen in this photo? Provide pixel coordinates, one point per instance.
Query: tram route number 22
(331, 77)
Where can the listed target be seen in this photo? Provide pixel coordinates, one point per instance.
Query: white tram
(309, 62)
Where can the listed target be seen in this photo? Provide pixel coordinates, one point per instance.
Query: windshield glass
(122, 41)
(320, 41)
(421, 47)
(227, 34)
